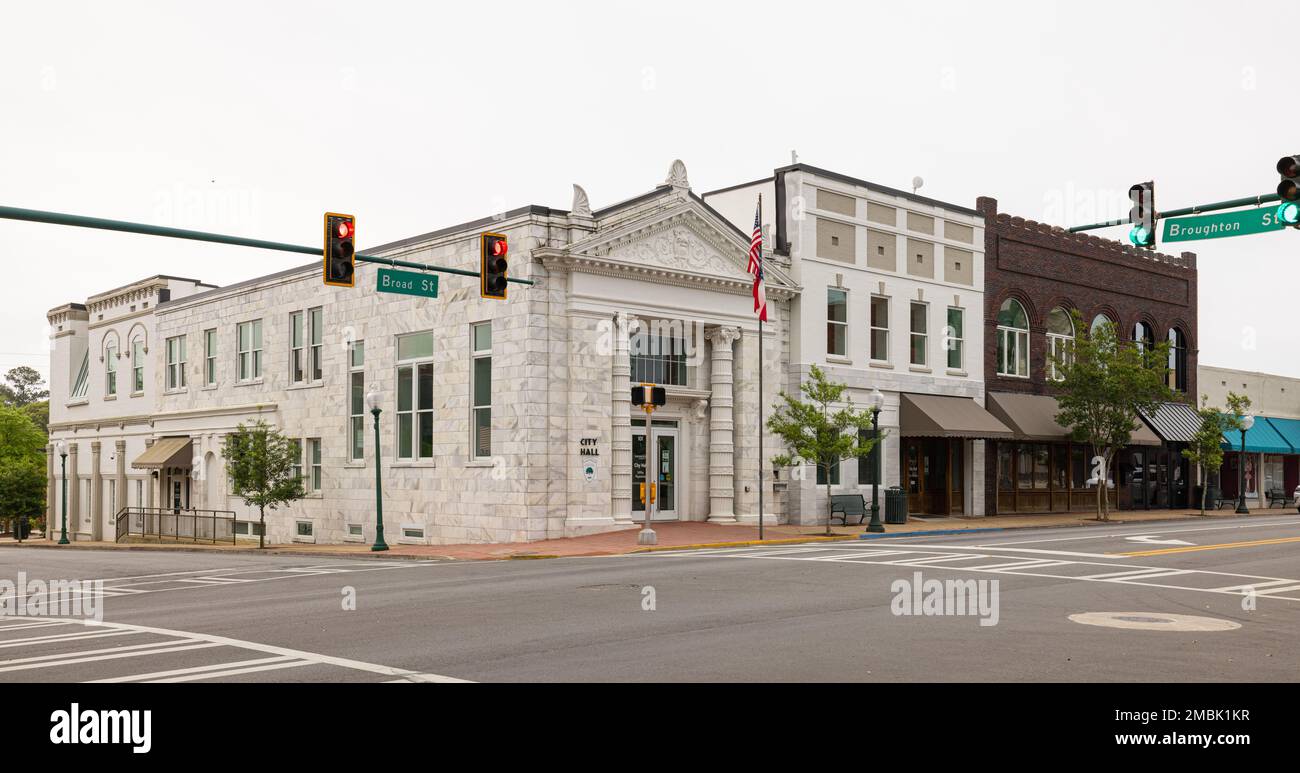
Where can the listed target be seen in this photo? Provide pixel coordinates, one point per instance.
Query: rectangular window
(481, 389)
(296, 352)
(176, 363)
(357, 401)
(658, 357)
(415, 397)
(837, 322)
(110, 371)
(250, 350)
(296, 469)
(356, 530)
(313, 482)
(1006, 475)
(316, 330)
(210, 357)
(920, 330)
(305, 529)
(137, 366)
(955, 337)
(879, 328)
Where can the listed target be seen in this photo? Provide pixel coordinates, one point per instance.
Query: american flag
(756, 264)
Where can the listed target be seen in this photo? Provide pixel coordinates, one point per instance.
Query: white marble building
(502, 420)
(892, 297)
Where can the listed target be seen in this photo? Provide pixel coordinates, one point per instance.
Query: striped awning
(165, 452)
(1262, 438)
(1289, 429)
(1174, 422)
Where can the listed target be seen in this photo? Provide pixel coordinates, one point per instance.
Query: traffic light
(1143, 214)
(1289, 188)
(340, 247)
(492, 272)
(1289, 213)
(657, 395)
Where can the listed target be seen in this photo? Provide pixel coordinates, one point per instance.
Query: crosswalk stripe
(1030, 563)
(61, 655)
(1271, 591)
(1251, 586)
(1131, 574)
(70, 661)
(61, 638)
(26, 626)
(218, 675)
(160, 675)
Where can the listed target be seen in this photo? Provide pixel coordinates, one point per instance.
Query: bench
(847, 505)
(1277, 496)
(1215, 500)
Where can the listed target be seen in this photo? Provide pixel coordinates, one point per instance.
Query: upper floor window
(656, 356)
(956, 337)
(137, 366)
(1144, 337)
(879, 328)
(920, 332)
(209, 357)
(249, 344)
(357, 401)
(176, 363)
(837, 322)
(305, 349)
(81, 384)
(1177, 360)
(1060, 340)
(110, 371)
(1013, 340)
(415, 396)
(481, 389)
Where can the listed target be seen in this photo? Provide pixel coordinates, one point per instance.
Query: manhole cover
(1154, 621)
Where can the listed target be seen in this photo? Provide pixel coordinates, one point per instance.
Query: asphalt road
(814, 612)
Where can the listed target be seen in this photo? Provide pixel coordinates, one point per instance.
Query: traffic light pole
(81, 221)
(1258, 201)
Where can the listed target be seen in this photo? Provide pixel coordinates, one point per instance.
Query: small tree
(1238, 407)
(23, 387)
(22, 467)
(259, 464)
(813, 429)
(1206, 447)
(1105, 383)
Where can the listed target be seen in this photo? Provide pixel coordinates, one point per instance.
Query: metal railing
(165, 524)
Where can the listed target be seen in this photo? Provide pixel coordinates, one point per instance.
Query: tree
(22, 466)
(1105, 383)
(814, 429)
(1238, 408)
(39, 413)
(259, 464)
(23, 387)
(1206, 447)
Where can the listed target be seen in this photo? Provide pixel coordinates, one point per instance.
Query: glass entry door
(664, 467)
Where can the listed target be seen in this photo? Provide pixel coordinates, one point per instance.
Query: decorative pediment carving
(677, 247)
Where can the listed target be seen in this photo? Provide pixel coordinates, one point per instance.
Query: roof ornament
(581, 204)
(677, 176)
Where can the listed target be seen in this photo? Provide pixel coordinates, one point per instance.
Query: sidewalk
(675, 535)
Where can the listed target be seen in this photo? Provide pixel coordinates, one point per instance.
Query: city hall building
(501, 420)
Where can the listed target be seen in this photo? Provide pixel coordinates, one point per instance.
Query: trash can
(895, 505)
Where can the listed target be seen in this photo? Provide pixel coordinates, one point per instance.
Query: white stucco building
(892, 298)
(501, 420)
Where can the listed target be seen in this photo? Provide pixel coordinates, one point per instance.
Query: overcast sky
(254, 118)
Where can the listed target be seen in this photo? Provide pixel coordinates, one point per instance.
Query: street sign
(1220, 225)
(406, 283)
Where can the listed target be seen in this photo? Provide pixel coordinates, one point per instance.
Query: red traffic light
(499, 248)
(345, 229)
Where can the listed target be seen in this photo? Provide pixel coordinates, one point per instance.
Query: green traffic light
(1289, 213)
(1140, 236)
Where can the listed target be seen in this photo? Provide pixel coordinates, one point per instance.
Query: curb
(744, 543)
(222, 551)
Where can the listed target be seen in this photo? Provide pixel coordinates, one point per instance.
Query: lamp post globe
(62, 448)
(875, 401)
(373, 400)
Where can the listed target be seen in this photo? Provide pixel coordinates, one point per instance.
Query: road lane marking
(63, 637)
(1029, 551)
(61, 655)
(71, 661)
(1198, 548)
(1271, 591)
(1251, 586)
(1130, 574)
(204, 669)
(236, 672)
(1112, 535)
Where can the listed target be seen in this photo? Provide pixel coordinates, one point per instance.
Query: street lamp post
(62, 448)
(876, 400)
(372, 402)
(1246, 423)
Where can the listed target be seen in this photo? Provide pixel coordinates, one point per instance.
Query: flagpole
(761, 481)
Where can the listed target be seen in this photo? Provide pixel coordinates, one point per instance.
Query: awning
(1262, 438)
(1175, 422)
(1033, 417)
(165, 452)
(1289, 429)
(946, 416)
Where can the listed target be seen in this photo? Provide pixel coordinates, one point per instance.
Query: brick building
(1035, 275)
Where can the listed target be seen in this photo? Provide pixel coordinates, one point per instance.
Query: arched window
(1177, 360)
(1098, 321)
(1060, 340)
(1013, 339)
(1144, 337)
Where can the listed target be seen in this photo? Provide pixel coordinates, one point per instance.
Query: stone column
(74, 492)
(96, 494)
(119, 448)
(149, 481)
(51, 489)
(621, 445)
(722, 446)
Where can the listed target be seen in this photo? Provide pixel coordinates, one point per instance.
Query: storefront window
(1273, 473)
(1005, 475)
(1078, 469)
(1062, 471)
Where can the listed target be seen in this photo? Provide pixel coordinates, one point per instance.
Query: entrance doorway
(934, 475)
(664, 466)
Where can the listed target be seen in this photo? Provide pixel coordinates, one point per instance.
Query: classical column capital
(120, 444)
(723, 336)
(94, 446)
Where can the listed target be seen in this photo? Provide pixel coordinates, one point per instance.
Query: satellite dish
(917, 182)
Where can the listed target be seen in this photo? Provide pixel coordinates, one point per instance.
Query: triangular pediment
(678, 237)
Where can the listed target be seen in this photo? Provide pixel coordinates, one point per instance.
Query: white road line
(1251, 586)
(1129, 573)
(161, 675)
(1013, 569)
(1032, 563)
(1031, 551)
(249, 670)
(1139, 578)
(151, 645)
(26, 626)
(940, 559)
(61, 638)
(1271, 591)
(1137, 531)
(71, 661)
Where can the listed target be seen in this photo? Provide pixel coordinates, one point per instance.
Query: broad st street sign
(390, 280)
